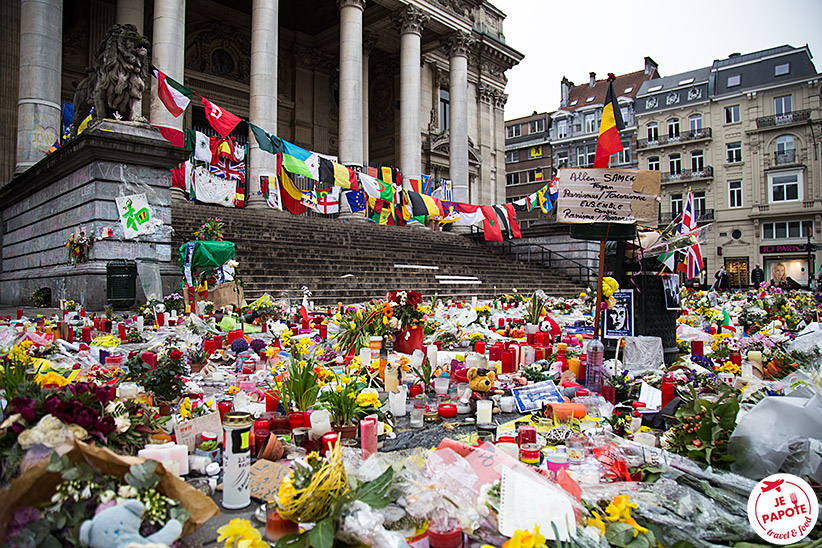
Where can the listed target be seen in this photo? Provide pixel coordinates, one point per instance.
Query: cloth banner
(210, 188)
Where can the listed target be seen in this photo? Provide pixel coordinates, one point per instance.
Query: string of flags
(381, 191)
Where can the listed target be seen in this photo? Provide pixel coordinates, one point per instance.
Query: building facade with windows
(575, 125)
(768, 176)
(674, 126)
(528, 157)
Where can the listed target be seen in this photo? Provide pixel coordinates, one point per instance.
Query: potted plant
(425, 373)
(357, 326)
(197, 358)
(341, 403)
(302, 385)
(533, 311)
(211, 229)
(210, 449)
(164, 380)
(406, 319)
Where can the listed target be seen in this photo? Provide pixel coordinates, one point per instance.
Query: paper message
(265, 479)
(188, 432)
(623, 196)
(534, 396)
(135, 215)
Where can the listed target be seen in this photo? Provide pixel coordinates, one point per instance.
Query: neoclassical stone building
(415, 84)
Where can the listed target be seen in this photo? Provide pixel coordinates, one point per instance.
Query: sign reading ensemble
(623, 196)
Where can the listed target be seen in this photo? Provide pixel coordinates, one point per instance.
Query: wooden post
(599, 287)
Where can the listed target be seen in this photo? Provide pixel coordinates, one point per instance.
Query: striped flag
(171, 93)
(426, 184)
(688, 226)
(609, 128)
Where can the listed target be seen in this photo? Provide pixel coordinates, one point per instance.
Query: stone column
(369, 40)
(38, 98)
(410, 21)
(131, 12)
(459, 45)
(168, 55)
(262, 91)
(351, 149)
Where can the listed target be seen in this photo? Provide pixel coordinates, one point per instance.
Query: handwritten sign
(265, 479)
(623, 196)
(188, 432)
(135, 215)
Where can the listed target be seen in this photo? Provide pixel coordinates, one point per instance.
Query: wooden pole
(599, 287)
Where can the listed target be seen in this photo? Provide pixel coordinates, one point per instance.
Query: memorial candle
(696, 347)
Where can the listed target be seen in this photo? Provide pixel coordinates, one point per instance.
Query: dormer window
(589, 99)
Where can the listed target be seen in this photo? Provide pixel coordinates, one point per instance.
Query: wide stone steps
(356, 261)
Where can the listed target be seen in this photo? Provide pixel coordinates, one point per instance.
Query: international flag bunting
(490, 225)
(200, 144)
(387, 174)
(172, 94)
(502, 218)
(553, 189)
(220, 119)
(426, 184)
(688, 226)
(355, 200)
(332, 173)
(383, 211)
(227, 169)
(266, 141)
(328, 200)
(469, 215)
(68, 119)
(290, 196)
(726, 322)
(609, 128)
(512, 220)
(300, 161)
(544, 200)
(376, 188)
(239, 196)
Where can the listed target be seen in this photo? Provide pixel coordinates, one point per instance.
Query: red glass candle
(736, 358)
(276, 526)
(500, 322)
(668, 391)
(323, 330)
(271, 402)
(447, 410)
(261, 430)
(479, 347)
(696, 348)
(508, 361)
(208, 346)
(19, 313)
(329, 439)
(223, 407)
(161, 319)
(444, 537)
(150, 358)
(549, 349)
(527, 433)
(296, 419)
(279, 424)
(218, 342)
(531, 338)
(87, 335)
(712, 330)
(121, 331)
(495, 353)
(539, 353)
(305, 324)
(415, 390)
(539, 338)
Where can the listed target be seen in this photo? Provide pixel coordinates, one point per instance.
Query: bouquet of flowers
(78, 247)
(405, 308)
(211, 229)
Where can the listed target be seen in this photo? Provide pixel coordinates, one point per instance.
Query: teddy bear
(480, 381)
(118, 526)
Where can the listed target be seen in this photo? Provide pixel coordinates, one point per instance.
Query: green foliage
(534, 308)
(302, 385)
(41, 297)
(705, 426)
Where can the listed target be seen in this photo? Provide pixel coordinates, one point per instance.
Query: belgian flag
(609, 128)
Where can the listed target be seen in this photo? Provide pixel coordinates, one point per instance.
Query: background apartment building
(528, 163)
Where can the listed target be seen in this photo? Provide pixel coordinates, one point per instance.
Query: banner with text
(623, 196)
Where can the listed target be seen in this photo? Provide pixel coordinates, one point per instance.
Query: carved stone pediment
(219, 49)
(441, 144)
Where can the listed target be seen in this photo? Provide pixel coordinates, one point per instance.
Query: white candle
(484, 411)
(320, 423)
(432, 354)
(140, 322)
(396, 402)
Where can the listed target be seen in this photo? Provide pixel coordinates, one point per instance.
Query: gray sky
(571, 39)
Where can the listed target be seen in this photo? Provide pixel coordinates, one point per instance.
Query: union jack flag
(687, 226)
(229, 170)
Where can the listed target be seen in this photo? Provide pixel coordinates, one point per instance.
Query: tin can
(237, 460)
(530, 453)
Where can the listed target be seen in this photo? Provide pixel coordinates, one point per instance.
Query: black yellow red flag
(609, 128)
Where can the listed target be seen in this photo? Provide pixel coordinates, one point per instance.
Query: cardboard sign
(188, 432)
(623, 196)
(265, 479)
(135, 215)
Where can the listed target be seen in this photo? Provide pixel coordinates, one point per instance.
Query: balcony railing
(687, 175)
(702, 215)
(783, 119)
(784, 158)
(685, 136)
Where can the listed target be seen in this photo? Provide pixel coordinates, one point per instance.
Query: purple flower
(17, 428)
(102, 394)
(106, 425)
(51, 403)
(257, 345)
(21, 402)
(86, 417)
(79, 388)
(67, 410)
(239, 345)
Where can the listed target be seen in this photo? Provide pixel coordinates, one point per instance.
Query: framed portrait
(670, 285)
(619, 320)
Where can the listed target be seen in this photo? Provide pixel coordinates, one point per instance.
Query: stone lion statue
(116, 82)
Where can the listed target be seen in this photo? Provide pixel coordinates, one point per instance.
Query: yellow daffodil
(525, 539)
(368, 399)
(597, 522)
(232, 390)
(620, 508)
(353, 325)
(287, 490)
(185, 409)
(637, 527)
(240, 534)
(51, 378)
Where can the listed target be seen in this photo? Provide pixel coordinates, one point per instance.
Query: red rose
(175, 355)
(414, 298)
(106, 425)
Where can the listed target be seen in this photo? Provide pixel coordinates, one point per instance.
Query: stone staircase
(354, 261)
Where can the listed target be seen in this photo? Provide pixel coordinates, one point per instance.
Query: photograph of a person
(619, 320)
(670, 284)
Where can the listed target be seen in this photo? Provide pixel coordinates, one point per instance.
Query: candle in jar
(479, 347)
(368, 435)
(329, 440)
(696, 347)
(484, 411)
(508, 361)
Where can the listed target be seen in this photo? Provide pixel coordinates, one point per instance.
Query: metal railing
(784, 158)
(687, 175)
(783, 119)
(701, 215)
(541, 254)
(690, 135)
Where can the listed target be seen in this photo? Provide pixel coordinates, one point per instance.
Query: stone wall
(74, 189)
(565, 252)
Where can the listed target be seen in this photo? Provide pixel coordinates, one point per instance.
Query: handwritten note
(265, 479)
(188, 432)
(623, 196)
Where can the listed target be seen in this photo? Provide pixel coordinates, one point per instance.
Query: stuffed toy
(119, 526)
(480, 381)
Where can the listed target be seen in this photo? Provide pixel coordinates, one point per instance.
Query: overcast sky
(571, 39)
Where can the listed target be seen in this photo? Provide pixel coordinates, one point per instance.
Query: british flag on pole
(688, 227)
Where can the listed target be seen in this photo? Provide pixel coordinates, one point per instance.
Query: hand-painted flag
(239, 195)
(171, 93)
(266, 141)
(220, 119)
(544, 200)
(609, 128)
(309, 199)
(491, 225)
(290, 195)
(227, 169)
(354, 200)
(223, 147)
(512, 220)
(376, 188)
(387, 174)
(374, 172)
(270, 188)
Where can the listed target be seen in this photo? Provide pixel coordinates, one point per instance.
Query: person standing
(757, 276)
(722, 280)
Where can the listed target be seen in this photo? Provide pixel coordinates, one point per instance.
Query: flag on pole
(220, 119)
(171, 93)
(609, 128)
(726, 322)
(688, 226)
